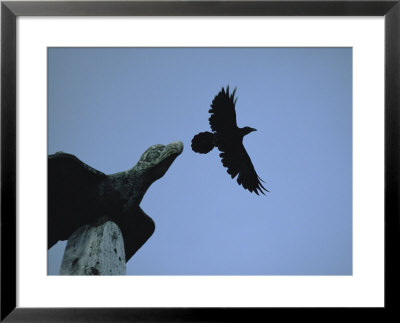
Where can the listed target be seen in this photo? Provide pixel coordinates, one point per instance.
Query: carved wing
(136, 227)
(72, 200)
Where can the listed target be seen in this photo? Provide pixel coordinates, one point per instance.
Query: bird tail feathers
(203, 142)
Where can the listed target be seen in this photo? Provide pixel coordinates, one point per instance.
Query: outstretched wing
(71, 187)
(63, 164)
(238, 163)
(223, 115)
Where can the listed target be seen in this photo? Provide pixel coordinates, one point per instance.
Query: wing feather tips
(255, 187)
(223, 97)
(261, 186)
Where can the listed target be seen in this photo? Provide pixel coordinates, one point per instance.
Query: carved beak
(167, 157)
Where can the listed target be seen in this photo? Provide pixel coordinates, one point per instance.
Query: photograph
(199, 161)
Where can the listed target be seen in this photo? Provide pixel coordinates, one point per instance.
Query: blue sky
(108, 105)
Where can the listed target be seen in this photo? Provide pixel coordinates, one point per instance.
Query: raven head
(246, 130)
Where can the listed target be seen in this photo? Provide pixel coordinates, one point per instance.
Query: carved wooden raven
(228, 138)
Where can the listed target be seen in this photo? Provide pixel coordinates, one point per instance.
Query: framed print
(310, 223)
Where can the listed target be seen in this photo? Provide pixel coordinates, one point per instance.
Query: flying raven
(228, 138)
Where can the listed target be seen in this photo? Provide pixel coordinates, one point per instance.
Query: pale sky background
(108, 105)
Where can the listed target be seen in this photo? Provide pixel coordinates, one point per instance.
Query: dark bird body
(228, 138)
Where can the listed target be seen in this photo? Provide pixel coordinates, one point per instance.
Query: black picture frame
(10, 10)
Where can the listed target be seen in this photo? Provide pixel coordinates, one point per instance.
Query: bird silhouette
(228, 138)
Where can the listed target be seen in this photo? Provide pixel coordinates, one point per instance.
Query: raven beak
(252, 129)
